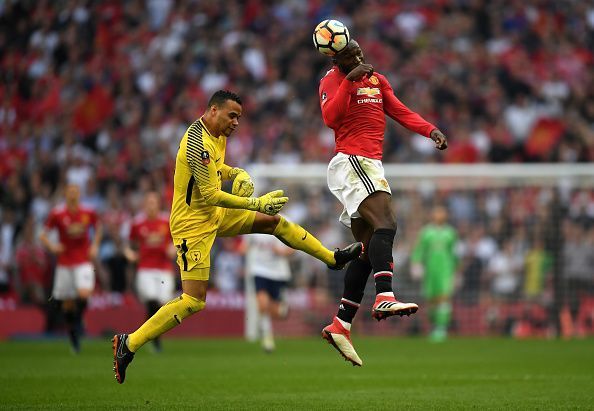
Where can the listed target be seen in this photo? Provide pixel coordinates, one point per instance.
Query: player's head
(152, 204)
(72, 194)
(223, 112)
(439, 215)
(350, 57)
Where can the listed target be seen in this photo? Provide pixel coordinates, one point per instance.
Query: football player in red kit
(74, 279)
(153, 252)
(354, 101)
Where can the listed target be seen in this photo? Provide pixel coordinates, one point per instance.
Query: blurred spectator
(33, 267)
(578, 275)
(116, 224)
(504, 272)
(7, 232)
(537, 269)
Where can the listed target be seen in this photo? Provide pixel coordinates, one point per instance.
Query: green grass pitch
(398, 373)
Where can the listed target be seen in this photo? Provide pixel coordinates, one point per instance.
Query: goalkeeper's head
(223, 113)
(440, 215)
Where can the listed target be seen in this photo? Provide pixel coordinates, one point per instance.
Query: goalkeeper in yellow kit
(201, 211)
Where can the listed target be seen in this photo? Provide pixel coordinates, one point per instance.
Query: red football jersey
(153, 238)
(356, 111)
(74, 231)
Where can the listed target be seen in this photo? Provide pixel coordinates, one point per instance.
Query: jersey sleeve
(204, 170)
(394, 108)
(335, 97)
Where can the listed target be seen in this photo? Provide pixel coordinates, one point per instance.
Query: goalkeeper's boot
(386, 306)
(122, 356)
(340, 338)
(349, 253)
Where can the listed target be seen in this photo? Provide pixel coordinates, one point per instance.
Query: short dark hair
(219, 98)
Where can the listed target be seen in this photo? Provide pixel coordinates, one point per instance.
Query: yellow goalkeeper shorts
(193, 254)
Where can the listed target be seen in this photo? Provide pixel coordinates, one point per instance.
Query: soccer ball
(330, 37)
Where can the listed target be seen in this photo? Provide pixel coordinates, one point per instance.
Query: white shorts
(153, 284)
(352, 179)
(69, 280)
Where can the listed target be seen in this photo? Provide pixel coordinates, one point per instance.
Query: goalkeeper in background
(201, 211)
(434, 260)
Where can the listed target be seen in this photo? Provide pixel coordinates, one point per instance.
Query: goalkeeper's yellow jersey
(199, 171)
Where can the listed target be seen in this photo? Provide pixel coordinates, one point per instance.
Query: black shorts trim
(184, 248)
(189, 190)
(362, 175)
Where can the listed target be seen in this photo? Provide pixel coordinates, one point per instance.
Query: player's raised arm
(404, 115)
(398, 111)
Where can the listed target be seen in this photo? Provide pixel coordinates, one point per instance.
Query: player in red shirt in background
(354, 102)
(151, 248)
(74, 278)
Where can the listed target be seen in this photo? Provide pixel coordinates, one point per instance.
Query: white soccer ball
(330, 37)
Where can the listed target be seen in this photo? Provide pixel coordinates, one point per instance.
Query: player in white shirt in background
(267, 265)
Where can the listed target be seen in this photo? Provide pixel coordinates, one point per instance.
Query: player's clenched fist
(271, 203)
(441, 142)
(359, 71)
(243, 185)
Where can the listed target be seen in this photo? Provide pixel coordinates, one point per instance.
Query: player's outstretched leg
(122, 356)
(299, 238)
(380, 255)
(168, 316)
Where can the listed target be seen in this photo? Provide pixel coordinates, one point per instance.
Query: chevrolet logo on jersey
(368, 91)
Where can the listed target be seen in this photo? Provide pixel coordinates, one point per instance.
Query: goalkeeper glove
(242, 183)
(270, 203)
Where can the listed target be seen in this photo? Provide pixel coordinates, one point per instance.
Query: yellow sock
(298, 238)
(168, 316)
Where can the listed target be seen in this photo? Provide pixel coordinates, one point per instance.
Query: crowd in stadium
(100, 92)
